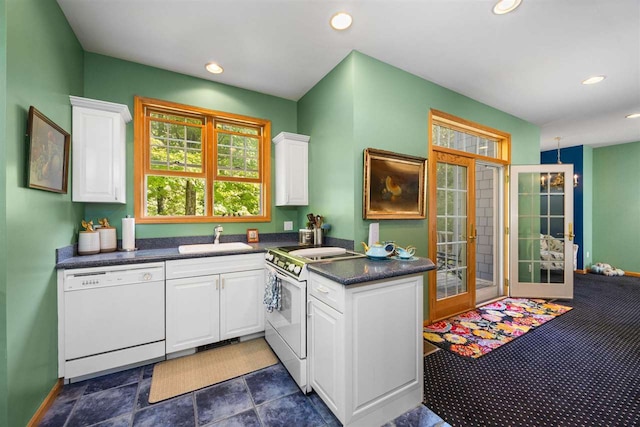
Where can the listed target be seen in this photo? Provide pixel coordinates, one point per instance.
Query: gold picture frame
(394, 185)
(48, 166)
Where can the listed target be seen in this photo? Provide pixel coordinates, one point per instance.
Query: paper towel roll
(128, 233)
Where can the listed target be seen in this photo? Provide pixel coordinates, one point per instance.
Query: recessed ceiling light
(341, 21)
(214, 68)
(593, 80)
(506, 6)
(633, 116)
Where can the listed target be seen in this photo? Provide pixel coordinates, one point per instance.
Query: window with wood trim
(458, 136)
(198, 165)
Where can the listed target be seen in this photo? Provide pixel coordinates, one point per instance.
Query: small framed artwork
(48, 154)
(394, 185)
(252, 235)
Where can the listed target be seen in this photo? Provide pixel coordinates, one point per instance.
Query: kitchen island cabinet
(365, 346)
(213, 299)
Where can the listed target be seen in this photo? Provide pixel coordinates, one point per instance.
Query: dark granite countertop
(149, 255)
(359, 270)
(166, 248)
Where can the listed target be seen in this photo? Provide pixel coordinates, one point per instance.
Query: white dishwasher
(110, 317)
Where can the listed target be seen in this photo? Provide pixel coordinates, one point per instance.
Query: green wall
(44, 66)
(366, 103)
(326, 113)
(616, 205)
(114, 80)
(4, 420)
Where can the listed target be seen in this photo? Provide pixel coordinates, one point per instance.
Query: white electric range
(286, 329)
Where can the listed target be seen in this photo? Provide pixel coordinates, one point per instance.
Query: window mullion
(210, 156)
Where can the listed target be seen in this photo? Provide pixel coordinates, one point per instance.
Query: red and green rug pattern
(475, 333)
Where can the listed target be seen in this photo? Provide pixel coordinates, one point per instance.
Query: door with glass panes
(455, 231)
(541, 239)
(466, 214)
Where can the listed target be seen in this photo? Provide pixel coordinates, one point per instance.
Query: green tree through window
(196, 165)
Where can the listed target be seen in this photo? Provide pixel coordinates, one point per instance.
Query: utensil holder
(317, 236)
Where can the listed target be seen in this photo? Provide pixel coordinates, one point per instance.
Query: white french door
(541, 260)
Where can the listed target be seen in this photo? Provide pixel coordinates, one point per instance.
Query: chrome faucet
(217, 230)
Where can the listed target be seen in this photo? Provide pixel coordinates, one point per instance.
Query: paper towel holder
(121, 249)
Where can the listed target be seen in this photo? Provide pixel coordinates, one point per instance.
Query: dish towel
(272, 292)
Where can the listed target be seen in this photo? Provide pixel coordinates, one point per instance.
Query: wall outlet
(288, 225)
(587, 254)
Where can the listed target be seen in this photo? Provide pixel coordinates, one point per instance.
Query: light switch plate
(288, 225)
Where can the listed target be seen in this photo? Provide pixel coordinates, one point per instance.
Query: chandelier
(556, 180)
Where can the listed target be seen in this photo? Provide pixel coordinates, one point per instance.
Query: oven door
(290, 321)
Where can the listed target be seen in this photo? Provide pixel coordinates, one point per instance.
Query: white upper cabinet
(99, 150)
(292, 169)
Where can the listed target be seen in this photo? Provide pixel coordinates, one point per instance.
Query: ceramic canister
(108, 240)
(88, 242)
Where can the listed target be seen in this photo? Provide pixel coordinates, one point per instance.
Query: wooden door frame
(503, 157)
(465, 300)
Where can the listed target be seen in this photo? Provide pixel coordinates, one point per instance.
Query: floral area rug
(477, 332)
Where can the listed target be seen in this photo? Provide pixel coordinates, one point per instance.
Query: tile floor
(268, 397)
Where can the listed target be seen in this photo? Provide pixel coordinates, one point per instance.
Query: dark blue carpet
(580, 369)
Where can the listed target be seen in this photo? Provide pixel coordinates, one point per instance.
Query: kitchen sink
(212, 247)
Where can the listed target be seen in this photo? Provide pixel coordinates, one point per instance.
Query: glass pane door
(541, 240)
(455, 245)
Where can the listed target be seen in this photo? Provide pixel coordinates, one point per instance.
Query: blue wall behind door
(575, 156)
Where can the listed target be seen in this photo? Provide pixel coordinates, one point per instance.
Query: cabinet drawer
(194, 267)
(327, 291)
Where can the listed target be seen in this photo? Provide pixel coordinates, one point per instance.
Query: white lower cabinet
(241, 308)
(326, 346)
(192, 312)
(213, 299)
(365, 347)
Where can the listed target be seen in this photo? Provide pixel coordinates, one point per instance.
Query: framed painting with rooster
(394, 185)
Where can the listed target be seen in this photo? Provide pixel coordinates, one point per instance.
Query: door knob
(570, 234)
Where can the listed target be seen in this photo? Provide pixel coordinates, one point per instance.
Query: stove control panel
(292, 267)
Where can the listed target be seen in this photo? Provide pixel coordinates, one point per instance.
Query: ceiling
(529, 63)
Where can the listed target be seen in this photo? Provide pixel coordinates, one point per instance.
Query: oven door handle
(284, 278)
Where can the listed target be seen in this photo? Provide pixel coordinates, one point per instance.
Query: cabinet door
(99, 172)
(292, 186)
(192, 312)
(326, 355)
(297, 165)
(385, 342)
(241, 308)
